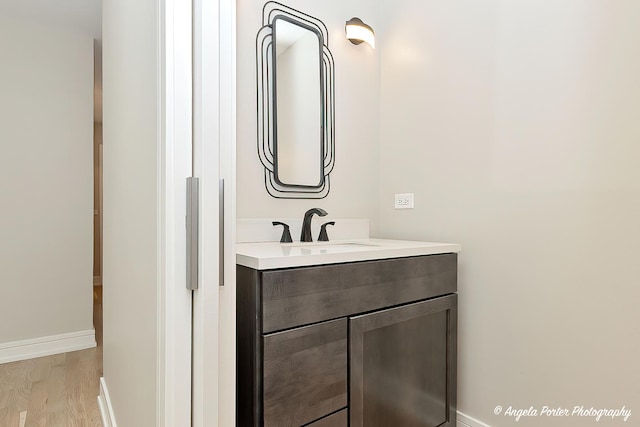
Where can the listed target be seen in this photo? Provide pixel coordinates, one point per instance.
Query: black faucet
(286, 234)
(305, 236)
(324, 237)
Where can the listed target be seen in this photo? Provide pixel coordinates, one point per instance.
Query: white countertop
(271, 255)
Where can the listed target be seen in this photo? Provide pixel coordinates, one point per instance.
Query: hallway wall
(46, 180)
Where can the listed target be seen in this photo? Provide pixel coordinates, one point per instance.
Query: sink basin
(325, 247)
(330, 245)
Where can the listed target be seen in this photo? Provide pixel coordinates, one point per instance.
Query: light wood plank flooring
(54, 391)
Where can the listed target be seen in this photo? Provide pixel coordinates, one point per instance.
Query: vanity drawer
(307, 295)
(304, 373)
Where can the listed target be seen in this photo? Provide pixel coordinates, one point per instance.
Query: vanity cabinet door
(305, 374)
(403, 365)
(339, 419)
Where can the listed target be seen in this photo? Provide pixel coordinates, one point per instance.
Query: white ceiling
(83, 15)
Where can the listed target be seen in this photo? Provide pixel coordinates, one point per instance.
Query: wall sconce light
(358, 32)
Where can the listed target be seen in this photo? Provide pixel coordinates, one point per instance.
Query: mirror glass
(298, 102)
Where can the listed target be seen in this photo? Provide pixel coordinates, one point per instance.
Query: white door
(214, 164)
(176, 307)
(198, 381)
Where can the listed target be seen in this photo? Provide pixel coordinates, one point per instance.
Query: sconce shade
(358, 32)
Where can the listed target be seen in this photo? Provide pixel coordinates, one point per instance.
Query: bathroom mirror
(295, 103)
(298, 98)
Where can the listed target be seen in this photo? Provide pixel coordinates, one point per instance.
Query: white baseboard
(46, 346)
(467, 421)
(106, 410)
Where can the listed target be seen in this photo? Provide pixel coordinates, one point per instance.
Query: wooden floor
(54, 391)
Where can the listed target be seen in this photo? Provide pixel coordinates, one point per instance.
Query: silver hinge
(193, 224)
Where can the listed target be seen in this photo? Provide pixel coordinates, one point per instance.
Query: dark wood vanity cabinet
(403, 365)
(369, 343)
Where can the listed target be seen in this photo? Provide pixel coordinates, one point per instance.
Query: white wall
(131, 147)
(354, 181)
(46, 180)
(515, 124)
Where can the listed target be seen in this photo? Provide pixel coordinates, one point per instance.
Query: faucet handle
(286, 234)
(324, 237)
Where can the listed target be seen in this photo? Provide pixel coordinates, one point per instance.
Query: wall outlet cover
(404, 201)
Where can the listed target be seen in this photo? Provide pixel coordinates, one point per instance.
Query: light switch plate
(404, 201)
